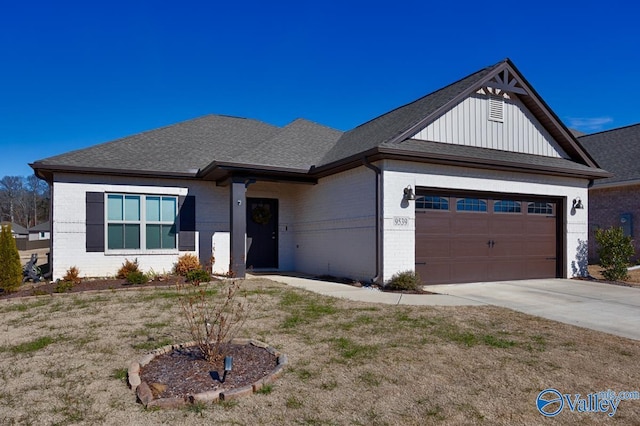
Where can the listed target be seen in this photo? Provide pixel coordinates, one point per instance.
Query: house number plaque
(400, 221)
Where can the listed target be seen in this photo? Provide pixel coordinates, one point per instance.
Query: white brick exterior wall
(69, 221)
(335, 225)
(399, 240)
(328, 228)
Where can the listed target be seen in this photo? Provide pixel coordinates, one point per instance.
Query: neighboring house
(494, 172)
(40, 232)
(615, 201)
(18, 232)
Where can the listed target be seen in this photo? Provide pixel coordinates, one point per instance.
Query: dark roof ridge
(429, 94)
(609, 130)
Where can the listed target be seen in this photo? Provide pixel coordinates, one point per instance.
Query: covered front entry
(469, 237)
(262, 233)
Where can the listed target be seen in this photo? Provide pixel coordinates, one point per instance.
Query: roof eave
(380, 153)
(220, 171)
(46, 170)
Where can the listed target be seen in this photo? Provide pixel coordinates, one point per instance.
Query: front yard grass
(63, 361)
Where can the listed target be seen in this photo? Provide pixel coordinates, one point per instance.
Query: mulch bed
(48, 288)
(184, 372)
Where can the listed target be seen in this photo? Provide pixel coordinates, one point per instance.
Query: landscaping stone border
(145, 396)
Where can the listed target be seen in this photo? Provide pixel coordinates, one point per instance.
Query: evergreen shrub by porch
(137, 277)
(615, 251)
(198, 276)
(406, 280)
(10, 267)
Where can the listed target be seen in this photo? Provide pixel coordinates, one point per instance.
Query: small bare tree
(213, 315)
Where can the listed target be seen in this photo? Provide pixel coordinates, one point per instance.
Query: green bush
(198, 276)
(615, 251)
(406, 280)
(63, 287)
(137, 277)
(10, 267)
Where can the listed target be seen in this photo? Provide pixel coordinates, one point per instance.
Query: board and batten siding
(468, 124)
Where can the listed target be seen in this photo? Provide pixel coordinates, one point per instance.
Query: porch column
(238, 227)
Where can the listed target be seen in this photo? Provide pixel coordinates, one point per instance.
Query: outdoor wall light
(408, 193)
(577, 203)
(228, 365)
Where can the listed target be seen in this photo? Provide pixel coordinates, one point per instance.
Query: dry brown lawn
(63, 360)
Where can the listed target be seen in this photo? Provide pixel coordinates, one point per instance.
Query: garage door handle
(491, 243)
(421, 263)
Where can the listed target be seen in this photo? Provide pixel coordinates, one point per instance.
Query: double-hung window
(141, 222)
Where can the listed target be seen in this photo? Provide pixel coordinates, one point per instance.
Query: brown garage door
(475, 238)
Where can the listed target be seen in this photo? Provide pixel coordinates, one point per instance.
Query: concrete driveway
(603, 307)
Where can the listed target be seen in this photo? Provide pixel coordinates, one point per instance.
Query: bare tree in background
(38, 192)
(24, 200)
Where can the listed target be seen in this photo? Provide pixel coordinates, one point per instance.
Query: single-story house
(17, 231)
(615, 201)
(40, 232)
(477, 181)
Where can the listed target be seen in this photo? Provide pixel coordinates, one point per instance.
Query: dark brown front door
(262, 233)
(474, 238)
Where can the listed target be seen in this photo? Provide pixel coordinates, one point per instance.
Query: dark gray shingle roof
(617, 151)
(299, 145)
(485, 156)
(182, 148)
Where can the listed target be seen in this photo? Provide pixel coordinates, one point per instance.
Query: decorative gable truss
(494, 117)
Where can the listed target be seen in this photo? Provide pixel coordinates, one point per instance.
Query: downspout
(378, 278)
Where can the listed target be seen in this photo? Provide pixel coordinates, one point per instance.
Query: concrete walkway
(602, 307)
(364, 294)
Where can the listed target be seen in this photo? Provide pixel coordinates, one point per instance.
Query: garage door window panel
(471, 205)
(540, 208)
(507, 206)
(432, 202)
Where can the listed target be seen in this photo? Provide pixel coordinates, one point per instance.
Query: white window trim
(143, 228)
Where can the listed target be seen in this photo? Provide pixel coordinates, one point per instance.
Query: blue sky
(77, 73)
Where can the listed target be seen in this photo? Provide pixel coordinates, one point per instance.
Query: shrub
(128, 267)
(186, 262)
(406, 280)
(615, 251)
(137, 277)
(197, 276)
(10, 267)
(213, 319)
(72, 275)
(63, 287)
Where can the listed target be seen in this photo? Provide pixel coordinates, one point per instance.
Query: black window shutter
(187, 221)
(95, 222)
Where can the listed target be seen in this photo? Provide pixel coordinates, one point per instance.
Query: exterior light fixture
(408, 193)
(228, 365)
(577, 203)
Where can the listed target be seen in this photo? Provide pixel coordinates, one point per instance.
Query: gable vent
(496, 108)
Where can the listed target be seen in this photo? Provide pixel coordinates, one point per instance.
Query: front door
(262, 233)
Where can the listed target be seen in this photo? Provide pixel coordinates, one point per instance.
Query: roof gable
(471, 123)
(394, 127)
